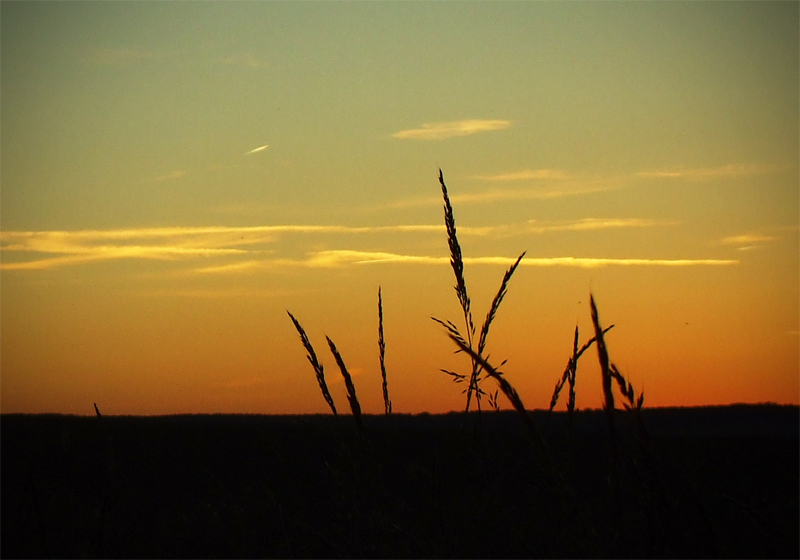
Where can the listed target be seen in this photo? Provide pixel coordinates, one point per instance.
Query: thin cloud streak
(223, 293)
(490, 196)
(730, 170)
(749, 242)
(170, 232)
(45, 264)
(65, 241)
(228, 268)
(340, 258)
(748, 239)
(593, 224)
(78, 247)
(568, 186)
(504, 195)
(81, 255)
(526, 174)
(444, 130)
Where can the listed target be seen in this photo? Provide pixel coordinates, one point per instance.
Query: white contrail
(264, 147)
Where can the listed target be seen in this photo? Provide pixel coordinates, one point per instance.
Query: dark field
(710, 482)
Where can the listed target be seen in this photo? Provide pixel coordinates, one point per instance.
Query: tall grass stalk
(498, 299)
(573, 372)
(457, 262)
(570, 373)
(608, 407)
(355, 407)
(382, 350)
(312, 359)
(605, 369)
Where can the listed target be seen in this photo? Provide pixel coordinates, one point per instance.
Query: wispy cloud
(66, 241)
(748, 242)
(540, 227)
(341, 258)
(592, 224)
(444, 130)
(503, 195)
(731, 170)
(78, 247)
(748, 239)
(219, 293)
(346, 257)
(81, 255)
(229, 268)
(529, 194)
(526, 174)
(248, 245)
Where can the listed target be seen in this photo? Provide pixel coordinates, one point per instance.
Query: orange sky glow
(178, 176)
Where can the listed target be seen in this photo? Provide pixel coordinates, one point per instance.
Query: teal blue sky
(100, 100)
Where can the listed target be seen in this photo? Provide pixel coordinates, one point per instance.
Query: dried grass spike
(355, 407)
(572, 375)
(312, 358)
(456, 260)
(571, 369)
(602, 354)
(382, 349)
(457, 377)
(452, 331)
(498, 299)
(608, 406)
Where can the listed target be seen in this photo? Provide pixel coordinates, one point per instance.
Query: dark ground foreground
(710, 482)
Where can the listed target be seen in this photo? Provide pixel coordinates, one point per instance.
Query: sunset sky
(176, 176)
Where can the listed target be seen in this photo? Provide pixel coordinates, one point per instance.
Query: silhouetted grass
(570, 372)
(575, 502)
(312, 359)
(382, 352)
(457, 263)
(355, 407)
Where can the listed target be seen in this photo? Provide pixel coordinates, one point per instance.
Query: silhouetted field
(710, 482)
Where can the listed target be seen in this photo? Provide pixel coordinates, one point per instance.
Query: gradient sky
(176, 176)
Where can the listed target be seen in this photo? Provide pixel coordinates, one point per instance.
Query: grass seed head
(312, 359)
(355, 407)
(456, 260)
(382, 349)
